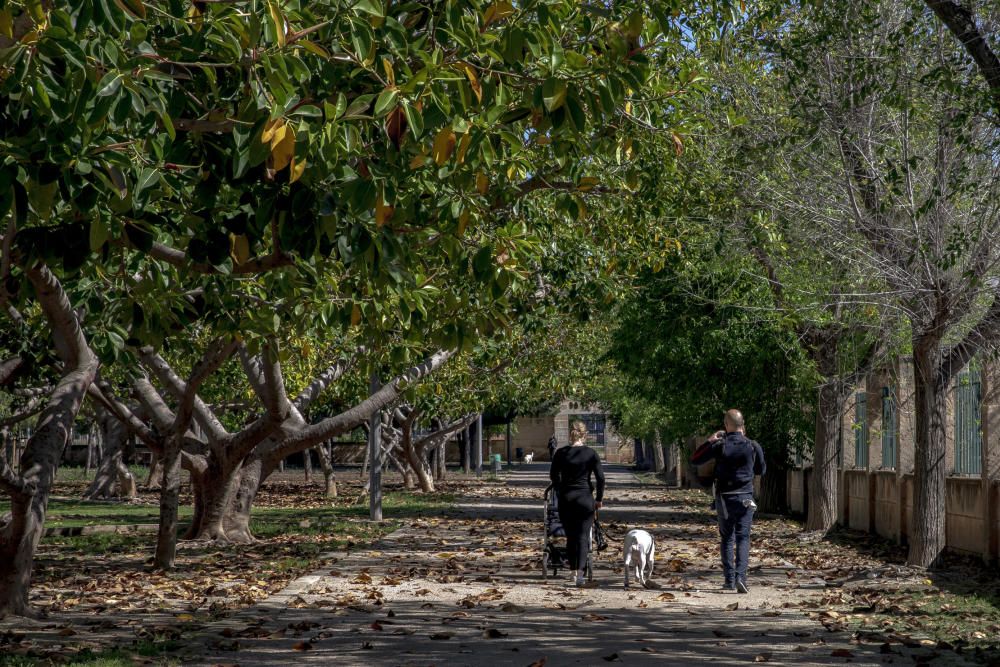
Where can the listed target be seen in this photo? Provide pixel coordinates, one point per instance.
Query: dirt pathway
(466, 589)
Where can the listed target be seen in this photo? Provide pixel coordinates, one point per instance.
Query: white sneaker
(579, 581)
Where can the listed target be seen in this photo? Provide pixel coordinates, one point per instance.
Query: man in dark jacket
(737, 460)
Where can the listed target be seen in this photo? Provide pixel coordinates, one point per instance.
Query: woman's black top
(571, 470)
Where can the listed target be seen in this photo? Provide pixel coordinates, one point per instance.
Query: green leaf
(553, 94)
(373, 7)
(385, 102)
(147, 178)
(99, 234)
(414, 118)
(110, 84)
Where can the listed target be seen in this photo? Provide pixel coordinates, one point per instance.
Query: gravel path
(466, 589)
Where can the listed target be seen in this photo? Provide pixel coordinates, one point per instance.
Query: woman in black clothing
(570, 473)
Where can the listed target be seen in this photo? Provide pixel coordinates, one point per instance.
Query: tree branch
(985, 333)
(324, 380)
(180, 259)
(437, 437)
(9, 369)
(389, 393)
(122, 413)
(205, 418)
(12, 484)
(962, 24)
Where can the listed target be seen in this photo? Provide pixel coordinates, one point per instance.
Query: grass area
(73, 513)
(155, 654)
(79, 474)
(110, 574)
(963, 616)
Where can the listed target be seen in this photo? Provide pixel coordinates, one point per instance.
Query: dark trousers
(734, 531)
(576, 511)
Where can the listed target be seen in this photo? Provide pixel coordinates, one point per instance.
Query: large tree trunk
(466, 445)
(659, 463)
(23, 527)
(237, 521)
(215, 489)
(113, 434)
(442, 463)
(927, 535)
(822, 513)
(170, 491)
(418, 465)
(155, 473)
(326, 462)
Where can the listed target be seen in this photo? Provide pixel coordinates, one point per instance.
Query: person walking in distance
(737, 460)
(572, 468)
(553, 446)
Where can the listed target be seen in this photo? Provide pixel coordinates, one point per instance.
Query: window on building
(889, 435)
(861, 430)
(968, 433)
(595, 428)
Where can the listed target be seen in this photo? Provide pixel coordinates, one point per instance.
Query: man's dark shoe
(728, 587)
(741, 586)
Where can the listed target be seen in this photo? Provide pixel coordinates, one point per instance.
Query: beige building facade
(531, 433)
(876, 456)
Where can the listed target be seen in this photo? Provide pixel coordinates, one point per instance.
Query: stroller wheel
(545, 565)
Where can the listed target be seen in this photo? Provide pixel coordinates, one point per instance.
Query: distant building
(531, 432)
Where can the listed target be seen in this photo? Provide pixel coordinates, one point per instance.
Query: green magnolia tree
(243, 167)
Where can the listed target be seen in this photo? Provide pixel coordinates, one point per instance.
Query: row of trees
(320, 211)
(849, 189)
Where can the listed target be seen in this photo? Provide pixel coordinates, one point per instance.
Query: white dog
(529, 457)
(639, 550)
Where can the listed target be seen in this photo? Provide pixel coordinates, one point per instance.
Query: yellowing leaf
(497, 12)
(240, 249)
(477, 88)
(678, 143)
(282, 147)
(418, 161)
(313, 47)
(383, 212)
(463, 222)
(297, 169)
(279, 21)
(587, 184)
(135, 8)
(6, 24)
(355, 314)
(390, 74)
(444, 145)
(269, 129)
(482, 183)
(463, 146)
(185, 618)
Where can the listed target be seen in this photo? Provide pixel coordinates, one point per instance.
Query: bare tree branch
(324, 380)
(962, 24)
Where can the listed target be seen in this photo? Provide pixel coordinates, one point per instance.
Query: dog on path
(639, 551)
(529, 457)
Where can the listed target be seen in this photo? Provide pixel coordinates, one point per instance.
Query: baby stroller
(554, 554)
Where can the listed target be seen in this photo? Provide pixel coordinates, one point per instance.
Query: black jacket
(737, 460)
(571, 470)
